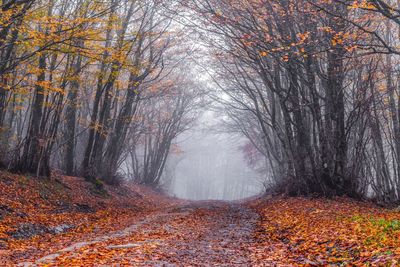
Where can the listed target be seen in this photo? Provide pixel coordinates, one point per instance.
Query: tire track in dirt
(207, 233)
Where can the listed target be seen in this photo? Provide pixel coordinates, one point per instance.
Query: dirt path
(197, 234)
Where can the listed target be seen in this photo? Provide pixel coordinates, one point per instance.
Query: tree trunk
(70, 115)
(32, 160)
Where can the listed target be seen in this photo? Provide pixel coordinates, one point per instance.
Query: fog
(207, 164)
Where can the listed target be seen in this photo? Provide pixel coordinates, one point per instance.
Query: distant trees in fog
(212, 166)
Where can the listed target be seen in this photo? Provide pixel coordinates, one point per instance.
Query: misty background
(209, 164)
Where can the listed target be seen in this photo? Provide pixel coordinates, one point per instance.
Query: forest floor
(69, 222)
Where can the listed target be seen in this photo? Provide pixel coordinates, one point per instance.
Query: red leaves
(68, 201)
(192, 235)
(305, 232)
(289, 231)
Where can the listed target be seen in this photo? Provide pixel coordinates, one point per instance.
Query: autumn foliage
(87, 210)
(103, 90)
(135, 226)
(321, 232)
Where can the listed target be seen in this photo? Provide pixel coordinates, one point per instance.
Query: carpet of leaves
(197, 234)
(321, 232)
(66, 201)
(136, 226)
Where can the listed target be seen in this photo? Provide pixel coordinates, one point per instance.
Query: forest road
(206, 233)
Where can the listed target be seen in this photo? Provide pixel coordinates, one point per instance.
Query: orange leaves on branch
(303, 37)
(285, 58)
(363, 4)
(351, 48)
(49, 87)
(295, 47)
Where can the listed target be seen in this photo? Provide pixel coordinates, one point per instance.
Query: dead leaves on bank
(288, 231)
(39, 217)
(319, 232)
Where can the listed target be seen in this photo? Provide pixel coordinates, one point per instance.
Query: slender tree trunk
(34, 144)
(87, 164)
(70, 114)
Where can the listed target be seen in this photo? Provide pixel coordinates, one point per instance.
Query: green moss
(387, 225)
(383, 229)
(99, 188)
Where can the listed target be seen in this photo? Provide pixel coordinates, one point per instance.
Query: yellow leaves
(57, 90)
(48, 87)
(19, 108)
(363, 4)
(40, 30)
(119, 56)
(6, 17)
(98, 127)
(290, 48)
(303, 36)
(44, 84)
(339, 38)
(382, 88)
(337, 41)
(326, 29)
(351, 48)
